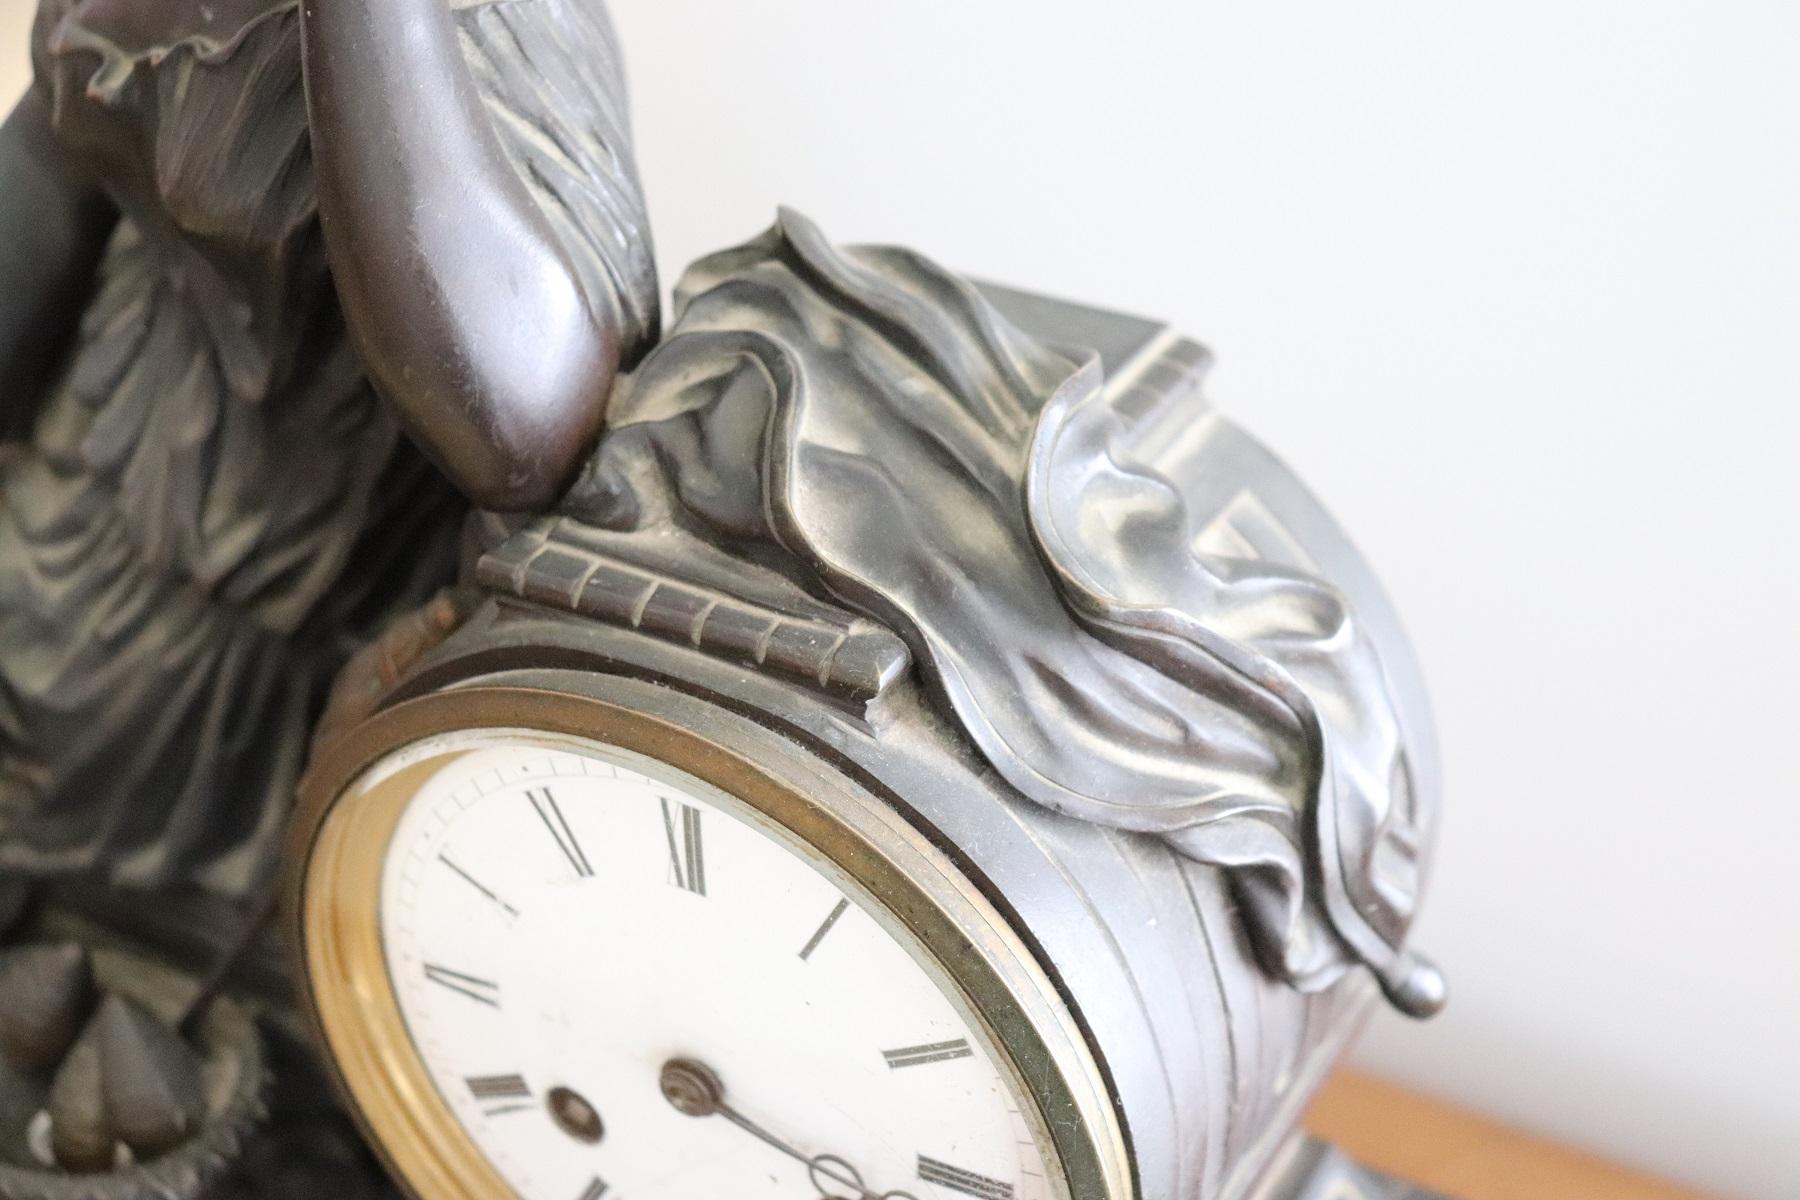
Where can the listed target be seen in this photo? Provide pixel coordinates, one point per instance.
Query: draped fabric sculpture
(215, 503)
(865, 423)
(291, 288)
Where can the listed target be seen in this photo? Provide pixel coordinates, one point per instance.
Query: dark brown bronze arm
(53, 226)
(469, 317)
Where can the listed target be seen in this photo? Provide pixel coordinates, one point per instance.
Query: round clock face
(624, 984)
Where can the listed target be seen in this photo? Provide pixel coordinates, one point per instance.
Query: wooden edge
(1465, 1156)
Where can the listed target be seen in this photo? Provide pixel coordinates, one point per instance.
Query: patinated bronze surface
(283, 294)
(867, 426)
(819, 413)
(245, 251)
(290, 291)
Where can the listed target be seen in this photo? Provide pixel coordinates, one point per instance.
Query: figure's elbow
(529, 403)
(499, 482)
(526, 449)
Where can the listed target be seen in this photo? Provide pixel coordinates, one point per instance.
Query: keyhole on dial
(574, 1115)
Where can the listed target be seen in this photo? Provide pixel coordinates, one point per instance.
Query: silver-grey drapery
(865, 422)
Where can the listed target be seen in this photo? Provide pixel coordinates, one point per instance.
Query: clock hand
(695, 1089)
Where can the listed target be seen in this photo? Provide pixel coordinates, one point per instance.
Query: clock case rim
(1003, 984)
(1090, 909)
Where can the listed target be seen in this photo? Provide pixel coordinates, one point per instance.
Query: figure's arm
(469, 316)
(53, 226)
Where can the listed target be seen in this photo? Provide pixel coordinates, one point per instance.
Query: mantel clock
(878, 737)
(930, 754)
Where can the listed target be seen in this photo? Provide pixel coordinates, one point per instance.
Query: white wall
(15, 23)
(1517, 286)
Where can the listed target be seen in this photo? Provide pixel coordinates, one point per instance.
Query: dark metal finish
(132, 1110)
(575, 1116)
(15, 898)
(666, 591)
(47, 994)
(83, 1141)
(60, 220)
(329, 227)
(243, 250)
(866, 425)
(492, 321)
(154, 1097)
(692, 1088)
(288, 288)
(1170, 959)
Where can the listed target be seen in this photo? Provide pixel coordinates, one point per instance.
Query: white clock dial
(626, 987)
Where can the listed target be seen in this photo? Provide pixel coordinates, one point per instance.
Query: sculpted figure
(287, 287)
(283, 291)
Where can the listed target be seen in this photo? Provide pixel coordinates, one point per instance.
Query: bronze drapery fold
(866, 423)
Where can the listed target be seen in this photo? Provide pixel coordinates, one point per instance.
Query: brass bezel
(334, 901)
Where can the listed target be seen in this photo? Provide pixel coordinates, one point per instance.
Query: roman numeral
(918, 1056)
(595, 1189)
(480, 990)
(478, 885)
(551, 814)
(812, 943)
(505, 1091)
(687, 855)
(966, 1182)
(498, 1087)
